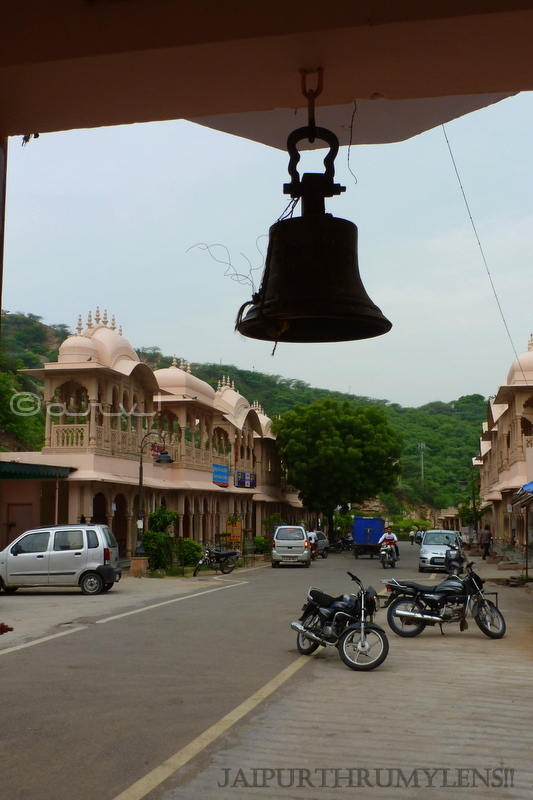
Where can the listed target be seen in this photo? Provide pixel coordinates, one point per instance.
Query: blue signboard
(220, 475)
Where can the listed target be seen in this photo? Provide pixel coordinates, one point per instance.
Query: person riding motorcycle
(390, 538)
(313, 543)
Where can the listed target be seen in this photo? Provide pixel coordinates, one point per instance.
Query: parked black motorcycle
(223, 560)
(411, 606)
(345, 622)
(342, 543)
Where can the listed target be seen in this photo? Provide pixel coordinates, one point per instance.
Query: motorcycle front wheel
(489, 620)
(366, 654)
(198, 567)
(227, 565)
(401, 626)
(307, 646)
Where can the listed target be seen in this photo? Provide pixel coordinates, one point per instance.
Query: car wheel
(92, 583)
(325, 553)
(9, 589)
(274, 564)
(307, 564)
(420, 569)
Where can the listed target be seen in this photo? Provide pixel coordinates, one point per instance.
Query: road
(89, 714)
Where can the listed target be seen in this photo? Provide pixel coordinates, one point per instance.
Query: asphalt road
(85, 715)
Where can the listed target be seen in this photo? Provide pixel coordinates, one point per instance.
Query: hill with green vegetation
(449, 431)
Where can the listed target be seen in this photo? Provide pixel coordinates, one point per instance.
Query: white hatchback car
(62, 555)
(433, 549)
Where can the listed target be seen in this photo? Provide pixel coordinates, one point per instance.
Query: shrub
(262, 544)
(191, 552)
(161, 519)
(155, 544)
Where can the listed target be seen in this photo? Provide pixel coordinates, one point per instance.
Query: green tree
(335, 454)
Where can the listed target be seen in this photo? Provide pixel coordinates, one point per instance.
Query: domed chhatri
(180, 381)
(98, 342)
(521, 372)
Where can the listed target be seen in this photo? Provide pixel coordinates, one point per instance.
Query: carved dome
(180, 381)
(521, 372)
(77, 349)
(99, 343)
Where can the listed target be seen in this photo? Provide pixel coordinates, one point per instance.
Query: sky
(115, 218)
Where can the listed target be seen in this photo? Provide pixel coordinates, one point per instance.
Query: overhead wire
(473, 224)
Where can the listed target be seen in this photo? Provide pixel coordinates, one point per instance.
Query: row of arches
(202, 517)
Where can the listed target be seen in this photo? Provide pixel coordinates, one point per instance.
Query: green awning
(15, 471)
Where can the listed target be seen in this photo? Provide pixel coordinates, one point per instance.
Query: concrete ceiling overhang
(68, 64)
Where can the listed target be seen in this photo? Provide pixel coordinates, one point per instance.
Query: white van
(62, 555)
(290, 545)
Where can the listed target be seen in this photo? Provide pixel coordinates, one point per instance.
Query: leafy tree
(335, 454)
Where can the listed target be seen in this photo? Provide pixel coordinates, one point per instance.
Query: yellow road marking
(156, 777)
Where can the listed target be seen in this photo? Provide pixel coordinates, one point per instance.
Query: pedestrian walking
(412, 537)
(485, 540)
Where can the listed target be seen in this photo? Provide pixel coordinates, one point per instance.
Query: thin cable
(351, 140)
(482, 253)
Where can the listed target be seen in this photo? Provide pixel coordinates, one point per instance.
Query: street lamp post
(164, 460)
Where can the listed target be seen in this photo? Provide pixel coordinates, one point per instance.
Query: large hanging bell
(311, 289)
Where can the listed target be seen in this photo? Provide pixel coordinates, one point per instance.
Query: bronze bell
(311, 289)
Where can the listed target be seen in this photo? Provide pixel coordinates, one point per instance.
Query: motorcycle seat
(224, 553)
(323, 599)
(421, 587)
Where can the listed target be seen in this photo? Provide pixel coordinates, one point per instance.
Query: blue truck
(366, 533)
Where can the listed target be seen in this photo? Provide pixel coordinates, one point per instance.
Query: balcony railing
(65, 438)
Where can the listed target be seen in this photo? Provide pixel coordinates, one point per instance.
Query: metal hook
(311, 94)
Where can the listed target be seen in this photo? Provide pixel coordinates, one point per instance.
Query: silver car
(433, 549)
(322, 542)
(290, 545)
(62, 555)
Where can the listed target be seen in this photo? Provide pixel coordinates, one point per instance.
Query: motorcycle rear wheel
(489, 620)
(198, 567)
(366, 655)
(403, 627)
(307, 646)
(227, 565)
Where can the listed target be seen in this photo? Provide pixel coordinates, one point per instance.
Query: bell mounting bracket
(313, 187)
